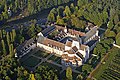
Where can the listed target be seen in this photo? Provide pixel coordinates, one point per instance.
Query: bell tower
(65, 30)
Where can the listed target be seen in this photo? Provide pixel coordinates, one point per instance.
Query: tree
(0, 34)
(11, 37)
(80, 3)
(117, 27)
(72, 7)
(7, 78)
(116, 19)
(59, 2)
(5, 13)
(110, 25)
(86, 67)
(60, 10)
(60, 21)
(118, 35)
(118, 38)
(105, 16)
(54, 11)
(31, 77)
(19, 39)
(11, 51)
(13, 34)
(55, 78)
(79, 77)
(111, 34)
(69, 73)
(112, 13)
(118, 41)
(38, 76)
(51, 17)
(67, 11)
(30, 7)
(17, 4)
(8, 38)
(97, 49)
(3, 47)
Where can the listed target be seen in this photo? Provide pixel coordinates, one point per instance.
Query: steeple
(65, 30)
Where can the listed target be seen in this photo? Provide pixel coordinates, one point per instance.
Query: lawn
(55, 58)
(103, 67)
(58, 69)
(41, 54)
(31, 62)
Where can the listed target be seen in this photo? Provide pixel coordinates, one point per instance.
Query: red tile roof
(72, 32)
(70, 52)
(82, 47)
(68, 43)
(53, 43)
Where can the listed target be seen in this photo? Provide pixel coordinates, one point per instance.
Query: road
(115, 45)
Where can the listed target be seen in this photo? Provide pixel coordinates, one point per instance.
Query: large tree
(3, 47)
(69, 73)
(67, 11)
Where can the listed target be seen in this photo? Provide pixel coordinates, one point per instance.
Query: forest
(10, 8)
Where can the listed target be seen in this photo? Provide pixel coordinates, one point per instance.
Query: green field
(55, 58)
(41, 54)
(111, 69)
(31, 62)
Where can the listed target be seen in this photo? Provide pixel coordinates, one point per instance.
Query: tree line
(31, 6)
(97, 12)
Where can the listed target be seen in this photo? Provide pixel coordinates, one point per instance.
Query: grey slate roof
(23, 45)
(48, 30)
(89, 34)
(90, 43)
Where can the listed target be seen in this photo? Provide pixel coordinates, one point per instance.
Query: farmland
(110, 70)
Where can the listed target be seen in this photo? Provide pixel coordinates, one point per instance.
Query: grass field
(31, 62)
(41, 54)
(54, 58)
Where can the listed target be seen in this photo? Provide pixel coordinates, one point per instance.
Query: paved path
(116, 45)
(52, 62)
(102, 29)
(37, 57)
(42, 59)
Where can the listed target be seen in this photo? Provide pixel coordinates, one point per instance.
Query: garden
(31, 62)
(41, 54)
